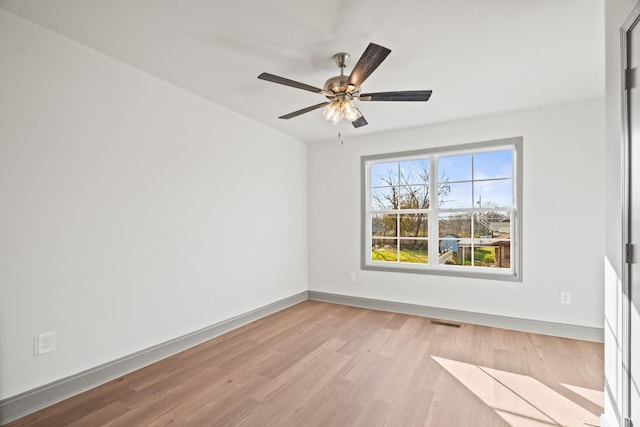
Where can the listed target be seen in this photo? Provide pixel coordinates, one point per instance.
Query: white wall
(133, 212)
(616, 13)
(563, 214)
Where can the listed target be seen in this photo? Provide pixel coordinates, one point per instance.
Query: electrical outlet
(351, 277)
(44, 343)
(565, 297)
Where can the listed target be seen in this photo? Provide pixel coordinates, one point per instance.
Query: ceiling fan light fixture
(350, 112)
(333, 112)
(341, 109)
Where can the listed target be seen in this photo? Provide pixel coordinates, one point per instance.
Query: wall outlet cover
(45, 343)
(565, 297)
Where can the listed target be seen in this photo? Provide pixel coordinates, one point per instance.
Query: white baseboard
(23, 404)
(602, 421)
(612, 421)
(504, 322)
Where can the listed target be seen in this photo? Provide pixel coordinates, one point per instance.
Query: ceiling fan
(341, 90)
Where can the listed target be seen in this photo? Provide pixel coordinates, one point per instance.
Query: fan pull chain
(340, 139)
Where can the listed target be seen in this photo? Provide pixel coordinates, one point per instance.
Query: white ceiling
(478, 56)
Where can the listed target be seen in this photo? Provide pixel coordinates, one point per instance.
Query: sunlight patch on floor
(594, 396)
(520, 400)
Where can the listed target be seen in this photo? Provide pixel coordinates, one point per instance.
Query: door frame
(631, 23)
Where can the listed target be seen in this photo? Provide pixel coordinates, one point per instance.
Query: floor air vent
(443, 323)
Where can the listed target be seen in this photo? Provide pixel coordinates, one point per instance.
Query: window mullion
(398, 211)
(474, 215)
(432, 231)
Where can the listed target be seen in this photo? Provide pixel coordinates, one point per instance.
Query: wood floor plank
(321, 364)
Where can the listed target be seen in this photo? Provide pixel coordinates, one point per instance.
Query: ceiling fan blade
(403, 95)
(370, 60)
(304, 110)
(288, 82)
(359, 122)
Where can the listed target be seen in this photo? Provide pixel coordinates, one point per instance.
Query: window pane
(384, 250)
(460, 254)
(454, 225)
(469, 254)
(413, 225)
(414, 197)
(502, 257)
(384, 174)
(495, 164)
(493, 193)
(449, 251)
(480, 253)
(454, 168)
(456, 195)
(383, 225)
(414, 172)
(493, 224)
(414, 251)
(384, 198)
(483, 256)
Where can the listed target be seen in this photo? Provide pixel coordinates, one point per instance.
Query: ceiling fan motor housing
(338, 84)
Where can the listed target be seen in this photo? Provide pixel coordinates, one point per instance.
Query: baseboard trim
(28, 402)
(602, 421)
(504, 322)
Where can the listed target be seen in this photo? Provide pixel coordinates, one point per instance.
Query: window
(451, 210)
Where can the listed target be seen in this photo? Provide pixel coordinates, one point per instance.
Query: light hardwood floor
(320, 364)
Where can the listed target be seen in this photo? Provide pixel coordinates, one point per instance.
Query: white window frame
(514, 273)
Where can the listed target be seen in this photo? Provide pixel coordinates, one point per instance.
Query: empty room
(341, 213)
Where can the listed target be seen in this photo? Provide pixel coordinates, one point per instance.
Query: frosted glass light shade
(350, 112)
(333, 112)
(341, 109)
